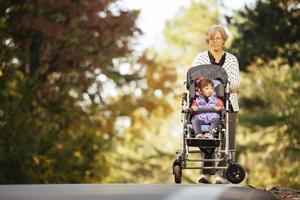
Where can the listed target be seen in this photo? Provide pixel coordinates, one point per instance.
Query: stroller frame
(235, 173)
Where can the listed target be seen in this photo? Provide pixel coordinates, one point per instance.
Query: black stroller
(235, 173)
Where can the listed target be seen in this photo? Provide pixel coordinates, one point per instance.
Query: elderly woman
(216, 38)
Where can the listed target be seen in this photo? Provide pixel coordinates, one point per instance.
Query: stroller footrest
(203, 142)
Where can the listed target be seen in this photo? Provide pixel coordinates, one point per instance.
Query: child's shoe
(208, 136)
(199, 136)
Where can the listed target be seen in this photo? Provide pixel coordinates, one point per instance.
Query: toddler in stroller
(205, 113)
(206, 98)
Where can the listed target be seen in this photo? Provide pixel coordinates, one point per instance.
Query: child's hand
(194, 108)
(218, 108)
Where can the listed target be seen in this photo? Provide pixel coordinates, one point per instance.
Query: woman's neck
(217, 53)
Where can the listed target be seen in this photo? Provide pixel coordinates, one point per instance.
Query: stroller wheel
(235, 173)
(177, 173)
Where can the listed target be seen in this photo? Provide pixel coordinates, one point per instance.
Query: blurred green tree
(267, 45)
(185, 33)
(269, 30)
(269, 137)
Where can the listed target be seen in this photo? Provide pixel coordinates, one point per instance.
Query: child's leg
(197, 123)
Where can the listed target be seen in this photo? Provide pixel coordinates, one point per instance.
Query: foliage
(269, 134)
(185, 33)
(50, 51)
(269, 128)
(142, 152)
(268, 31)
(69, 111)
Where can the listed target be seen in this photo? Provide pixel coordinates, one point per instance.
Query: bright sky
(154, 13)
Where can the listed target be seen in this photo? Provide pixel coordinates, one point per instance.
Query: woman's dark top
(213, 60)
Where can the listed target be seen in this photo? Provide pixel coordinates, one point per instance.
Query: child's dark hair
(205, 82)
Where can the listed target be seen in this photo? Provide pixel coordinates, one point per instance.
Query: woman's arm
(200, 59)
(196, 60)
(234, 76)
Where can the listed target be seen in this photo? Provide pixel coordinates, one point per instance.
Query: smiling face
(216, 41)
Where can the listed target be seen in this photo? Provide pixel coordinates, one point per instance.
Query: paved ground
(131, 192)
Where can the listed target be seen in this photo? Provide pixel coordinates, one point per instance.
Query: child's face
(207, 90)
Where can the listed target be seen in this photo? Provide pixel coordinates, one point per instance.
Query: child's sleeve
(194, 103)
